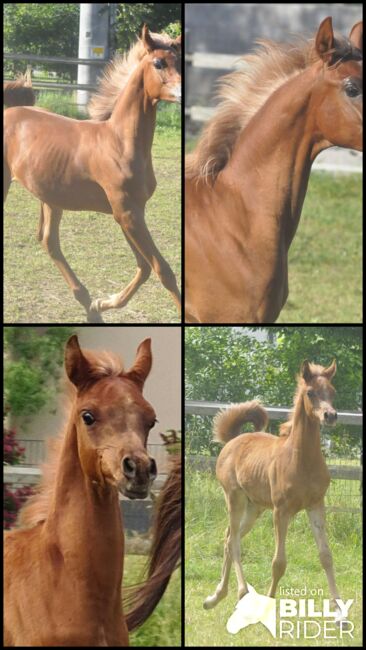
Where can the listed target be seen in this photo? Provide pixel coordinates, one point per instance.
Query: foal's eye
(311, 393)
(159, 64)
(155, 420)
(88, 418)
(352, 90)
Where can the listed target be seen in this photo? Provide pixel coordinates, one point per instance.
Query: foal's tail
(227, 424)
(19, 92)
(140, 601)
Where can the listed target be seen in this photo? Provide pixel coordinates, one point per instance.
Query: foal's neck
(305, 432)
(134, 116)
(272, 158)
(83, 519)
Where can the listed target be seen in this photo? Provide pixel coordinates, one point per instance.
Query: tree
(33, 359)
(231, 365)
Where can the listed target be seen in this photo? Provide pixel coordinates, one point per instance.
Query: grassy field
(35, 291)
(206, 520)
(325, 258)
(163, 627)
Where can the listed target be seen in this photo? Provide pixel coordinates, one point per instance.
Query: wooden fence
(337, 471)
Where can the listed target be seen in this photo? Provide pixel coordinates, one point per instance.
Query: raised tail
(165, 552)
(227, 424)
(19, 92)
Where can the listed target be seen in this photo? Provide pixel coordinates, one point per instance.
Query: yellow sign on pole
(97, 52)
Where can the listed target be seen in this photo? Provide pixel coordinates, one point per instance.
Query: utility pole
(93, 43)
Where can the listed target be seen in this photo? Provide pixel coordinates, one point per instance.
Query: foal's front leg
(317, 522)
(130, 215)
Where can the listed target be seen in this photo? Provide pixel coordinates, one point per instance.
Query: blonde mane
(242, 93)
(117, 74)
(35, 510)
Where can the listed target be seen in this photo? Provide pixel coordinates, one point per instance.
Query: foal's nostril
(330, 416)
(129, 467)
(152, 469)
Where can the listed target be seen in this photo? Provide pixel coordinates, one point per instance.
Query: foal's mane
(117, 74)
(104, 364)
(242, 93)
(286, 427)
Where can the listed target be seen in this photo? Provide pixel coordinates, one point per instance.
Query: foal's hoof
(93, 314)
(210, 602)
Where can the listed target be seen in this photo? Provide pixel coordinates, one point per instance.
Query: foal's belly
(83, 195)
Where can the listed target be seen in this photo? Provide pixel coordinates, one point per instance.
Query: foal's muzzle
(330, 417)
(139, 473)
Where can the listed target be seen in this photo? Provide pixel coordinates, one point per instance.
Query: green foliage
(158, 17)
(32, 365)
(229, 365)
(42, 28)
(53, 30)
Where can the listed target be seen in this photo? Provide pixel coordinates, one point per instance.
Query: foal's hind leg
(240, 525)
(48, 234)
(121, 299)
(281, 521)
(130, 215)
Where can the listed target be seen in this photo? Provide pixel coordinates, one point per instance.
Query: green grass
(206, 520)
(163, 627)
(93, 244)
(325, 258)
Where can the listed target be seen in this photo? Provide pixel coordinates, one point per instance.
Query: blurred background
(217, 35)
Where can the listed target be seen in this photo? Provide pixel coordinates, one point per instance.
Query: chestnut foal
(103, 164)
(64, 564)
(285, 473)
(246, 181)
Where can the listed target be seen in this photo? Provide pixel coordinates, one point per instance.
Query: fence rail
(274, 413)
(50, 85)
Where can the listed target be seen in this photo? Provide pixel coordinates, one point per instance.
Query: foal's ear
(142, 364)
(324, 41)
(76, 365)
(331, 371)
(177, 43)
(147, 40)
(356, 36)
(306, 371)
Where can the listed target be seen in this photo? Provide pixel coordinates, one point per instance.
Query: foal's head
(337, 90)
(162, 68)
(318, 392)
(112, 420)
